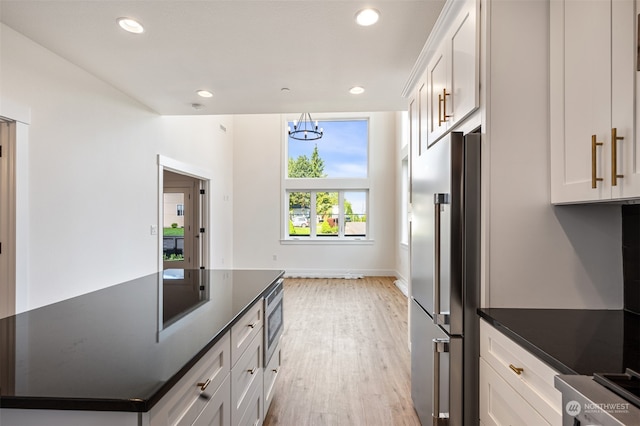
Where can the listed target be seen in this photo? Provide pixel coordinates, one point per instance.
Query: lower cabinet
(247, 383)
(271, 372)
(516, 388)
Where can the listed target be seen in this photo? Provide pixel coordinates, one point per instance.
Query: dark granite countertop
(123, 347)
(573, 341)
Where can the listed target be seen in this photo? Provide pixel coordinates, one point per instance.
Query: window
(180, 209)
(326, 183)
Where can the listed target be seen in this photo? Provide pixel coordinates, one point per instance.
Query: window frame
(329, 184)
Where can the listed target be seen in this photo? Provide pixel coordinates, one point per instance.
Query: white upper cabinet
(444, 85)
(595, 155)
(452, 73)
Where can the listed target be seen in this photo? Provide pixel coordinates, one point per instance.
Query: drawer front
(246, 376)
(253, 415)
(243, 332)
(535, 381)
(184, 403)
(271, 372)
(500, 405)
(217, 412)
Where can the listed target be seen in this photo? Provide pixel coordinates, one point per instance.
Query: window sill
(327, 241)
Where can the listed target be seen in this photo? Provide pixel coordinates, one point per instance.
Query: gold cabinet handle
(614, 156)
(594, 178)
(444, 104)
(442, 107)
(253, 370)
(515, 369)
(203, 385)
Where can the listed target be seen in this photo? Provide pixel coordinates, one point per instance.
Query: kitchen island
(123, 348)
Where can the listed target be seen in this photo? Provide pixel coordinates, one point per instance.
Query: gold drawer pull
(442, 107)
(253, 370)
(594, 178)
(515, 369)
(614, 156)
(203, 385)
(253, 324)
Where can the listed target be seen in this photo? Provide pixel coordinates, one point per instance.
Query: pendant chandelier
(304, 129)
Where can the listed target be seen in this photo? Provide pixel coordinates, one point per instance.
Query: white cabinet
(515, 386)
(247, 369)
(595, 155)
(271, 371)
(452, 74)
(202, 396)
(245, 330)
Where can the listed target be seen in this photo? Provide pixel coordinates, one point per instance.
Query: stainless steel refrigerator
(445, 280)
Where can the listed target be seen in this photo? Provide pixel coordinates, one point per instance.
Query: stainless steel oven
(274, 320)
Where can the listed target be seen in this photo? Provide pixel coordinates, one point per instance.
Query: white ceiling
(243, 51)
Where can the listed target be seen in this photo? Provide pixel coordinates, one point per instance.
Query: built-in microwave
(274, 320)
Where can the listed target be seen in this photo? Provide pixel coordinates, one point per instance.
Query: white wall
(402, 150)
(258, 157)
(93, 174)
(538, 256)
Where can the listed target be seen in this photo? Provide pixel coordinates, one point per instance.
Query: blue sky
(343, 148)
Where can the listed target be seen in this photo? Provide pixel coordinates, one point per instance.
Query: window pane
(327, 211)
(355, 214)
(340, 153)
(299, 212)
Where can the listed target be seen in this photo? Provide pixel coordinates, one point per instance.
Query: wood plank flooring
(345, 357)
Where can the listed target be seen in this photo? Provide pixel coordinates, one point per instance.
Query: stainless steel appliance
(274, 320)
(445, 265)
(604, 399)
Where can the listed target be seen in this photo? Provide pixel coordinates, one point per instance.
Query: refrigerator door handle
(439, 345)
(438, 201)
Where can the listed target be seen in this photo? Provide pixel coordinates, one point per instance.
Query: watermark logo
(573, 408)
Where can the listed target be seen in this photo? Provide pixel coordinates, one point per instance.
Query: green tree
(303, 167)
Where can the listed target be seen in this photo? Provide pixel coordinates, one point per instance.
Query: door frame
(205, 176)
(18, 192)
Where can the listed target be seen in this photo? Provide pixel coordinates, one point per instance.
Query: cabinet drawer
(253, 415)
(271, 372)
(246, 377)
(243, 332)
(534, 383)
(500, 405)
(217, 412)
(184, 403)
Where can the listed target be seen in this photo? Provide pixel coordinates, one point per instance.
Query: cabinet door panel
(624, 86)
(500, 405)
(464, 65)
(218, 410)
(587, 89)
(580, 98)
(437, 81)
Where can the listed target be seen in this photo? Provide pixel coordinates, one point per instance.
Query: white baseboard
(344, 274)
(403, 286)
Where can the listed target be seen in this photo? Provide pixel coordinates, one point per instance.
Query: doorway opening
(7, 218)
(182, 221)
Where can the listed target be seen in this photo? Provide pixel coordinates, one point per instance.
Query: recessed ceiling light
(130, 25)
(367, 17)
(356, 90)
(204, 93)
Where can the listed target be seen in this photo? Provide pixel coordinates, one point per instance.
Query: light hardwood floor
(345, 357)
